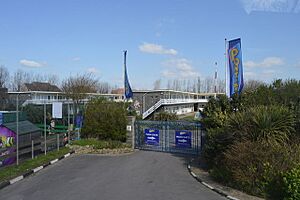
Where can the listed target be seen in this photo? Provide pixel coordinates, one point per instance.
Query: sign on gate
(183, 139)
(168, 136)
(152, 137)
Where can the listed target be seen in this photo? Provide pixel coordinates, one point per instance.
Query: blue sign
(152, 136)
(183, 139)
(79, 120)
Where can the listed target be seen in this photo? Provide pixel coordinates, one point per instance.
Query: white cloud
(76, 59)
(263, 75)
(156, 49)
(284, 6)
(267, 62)
(179, 68)
(31, 63)
(93, 70)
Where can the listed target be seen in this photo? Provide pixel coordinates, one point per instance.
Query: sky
(165, 39)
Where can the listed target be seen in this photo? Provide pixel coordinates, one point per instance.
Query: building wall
(142, 101)
(179, 109)
(7, 140)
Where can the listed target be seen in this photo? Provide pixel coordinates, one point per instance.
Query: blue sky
(165, 39)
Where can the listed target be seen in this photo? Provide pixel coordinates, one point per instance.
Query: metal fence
(169, 136)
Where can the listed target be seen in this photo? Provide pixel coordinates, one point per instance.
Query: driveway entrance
(143, 175)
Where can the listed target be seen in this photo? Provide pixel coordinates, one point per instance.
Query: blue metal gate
(169, 136)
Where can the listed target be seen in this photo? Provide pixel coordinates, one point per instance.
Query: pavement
(141, 175)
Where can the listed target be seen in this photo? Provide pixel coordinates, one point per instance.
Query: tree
(77, 87)
(252, 85)
(157, 84)
(19, 78)
(103, 87)
(4, 76)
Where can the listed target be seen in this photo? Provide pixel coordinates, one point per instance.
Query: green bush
(105, 120)
(272, 124)
(291, 184)
(216, 112)
(256, 167)
(217, 141)
(165, 116)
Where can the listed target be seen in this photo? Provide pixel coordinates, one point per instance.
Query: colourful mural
(7, 141)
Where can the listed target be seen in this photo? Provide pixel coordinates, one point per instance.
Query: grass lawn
(13, 171)
(101, 144)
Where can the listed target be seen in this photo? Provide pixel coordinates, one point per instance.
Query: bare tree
(157, 84)
(251, 85)
(103, 87)
(4, 76)
(18, 79)
(77, 87)
(53, 79)
(221, 86)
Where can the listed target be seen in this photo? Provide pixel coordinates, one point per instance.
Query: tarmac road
(143, 175)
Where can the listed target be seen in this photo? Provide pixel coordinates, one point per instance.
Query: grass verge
(101, 144)
(13, 171)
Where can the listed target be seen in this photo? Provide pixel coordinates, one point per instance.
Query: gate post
(130, 136)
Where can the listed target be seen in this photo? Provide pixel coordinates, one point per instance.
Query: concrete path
(139, 176)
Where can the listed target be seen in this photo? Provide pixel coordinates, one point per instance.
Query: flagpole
(225, 58)
(124, 51)
(216, 77)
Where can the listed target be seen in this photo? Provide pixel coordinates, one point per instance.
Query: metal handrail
(171, 102)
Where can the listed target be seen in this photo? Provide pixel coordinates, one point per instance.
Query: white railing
(171, 102)
(152, 109)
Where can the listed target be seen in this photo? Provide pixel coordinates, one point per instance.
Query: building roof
(175, 91)
(25, 127)
(118, 91)
(40, 86)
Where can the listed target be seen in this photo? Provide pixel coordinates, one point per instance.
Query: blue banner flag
(236, 82)
(128, 91)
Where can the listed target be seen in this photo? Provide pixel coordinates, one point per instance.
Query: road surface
(143, 175)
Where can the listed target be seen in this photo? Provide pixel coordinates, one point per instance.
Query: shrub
(256, 167)
(105, 120)
(217, 141)
(165, 116)
(291, 184)
(273, 124)
(216, 112)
